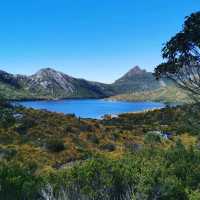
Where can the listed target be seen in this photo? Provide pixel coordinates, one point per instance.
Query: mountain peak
(46, 70)
(136, 80)
(135, 71)
(134, 74)
(48, 73)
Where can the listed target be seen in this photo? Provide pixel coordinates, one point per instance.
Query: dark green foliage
(7, 153)
(6, 117)
(97, 179)
(172, 174)
(55, 145)
(17, 182)
(181, 53)
(152, 138)
(159, 174)
(177, 119)
(171, 188)
(108, 147)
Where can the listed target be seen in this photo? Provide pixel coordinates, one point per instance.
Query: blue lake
(91, 108)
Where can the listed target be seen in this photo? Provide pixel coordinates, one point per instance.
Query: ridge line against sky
(94, 40)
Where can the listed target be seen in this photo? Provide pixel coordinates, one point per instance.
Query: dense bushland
(147, 174)
(53, 156)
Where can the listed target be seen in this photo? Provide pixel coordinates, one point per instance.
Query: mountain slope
(168, 94)
(59, 85)
(9, 79)
(49, 83)
(136, 80)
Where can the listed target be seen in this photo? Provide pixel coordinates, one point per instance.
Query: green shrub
(18, 182)
(152, 138)
(93, 138)
(108, 147)
(55, 145)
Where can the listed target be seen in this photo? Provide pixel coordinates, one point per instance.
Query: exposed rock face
(50, 81)
(48, 77)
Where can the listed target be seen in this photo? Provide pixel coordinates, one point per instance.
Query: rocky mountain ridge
(48, 83)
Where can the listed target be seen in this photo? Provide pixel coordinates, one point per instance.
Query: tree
(182, 57)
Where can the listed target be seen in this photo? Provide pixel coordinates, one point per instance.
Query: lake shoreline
(52, 99)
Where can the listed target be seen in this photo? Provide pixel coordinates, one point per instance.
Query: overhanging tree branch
(182, 57)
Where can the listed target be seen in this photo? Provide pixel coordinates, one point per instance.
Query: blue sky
(94, 39)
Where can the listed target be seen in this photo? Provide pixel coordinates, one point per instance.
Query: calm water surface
(91, 108)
